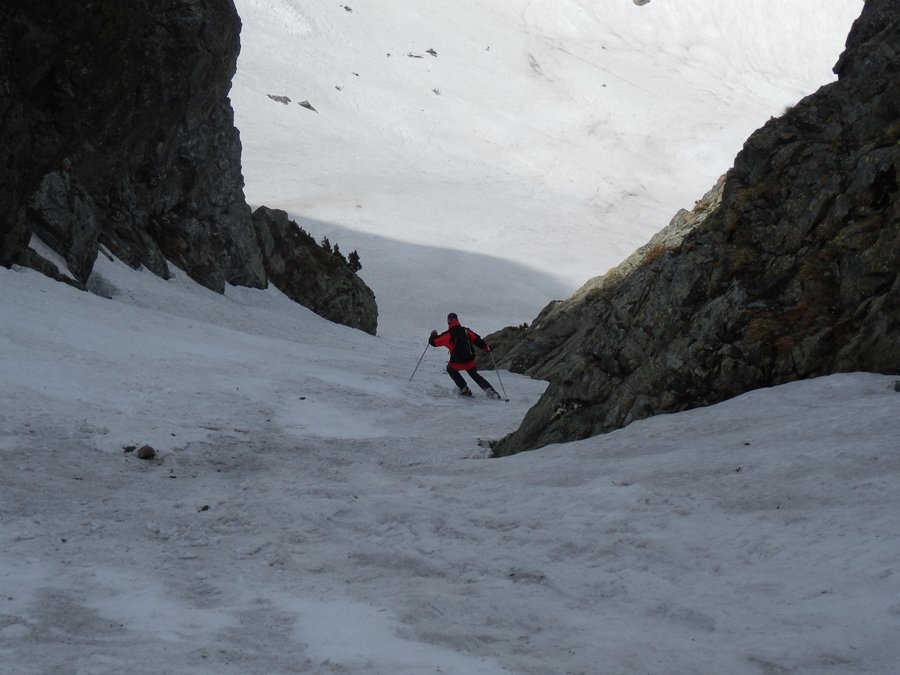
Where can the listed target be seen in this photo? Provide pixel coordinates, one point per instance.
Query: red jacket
(459, 340)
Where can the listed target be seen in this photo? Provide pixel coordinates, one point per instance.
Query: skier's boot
(465, 391)
(492, 393)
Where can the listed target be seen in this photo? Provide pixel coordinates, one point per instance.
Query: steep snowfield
(311, 511)
(544, 142)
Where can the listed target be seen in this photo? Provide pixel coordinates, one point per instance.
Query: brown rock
(146, 452)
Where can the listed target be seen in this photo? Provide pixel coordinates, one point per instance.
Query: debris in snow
(129, 448)
(431, 51)
(146, 452)
(308, 106)
(279, 99)
(415, 56)
(437, 91)
(346, 8)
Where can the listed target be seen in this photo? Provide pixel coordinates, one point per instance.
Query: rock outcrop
(306, 272)
(116, 130)
(793, 274)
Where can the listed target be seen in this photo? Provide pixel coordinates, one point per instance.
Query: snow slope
(311, 511)
(545, 141)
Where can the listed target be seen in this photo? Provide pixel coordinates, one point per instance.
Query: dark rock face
(311, 275)
(66, 218)
(116, 128)
(793, 275)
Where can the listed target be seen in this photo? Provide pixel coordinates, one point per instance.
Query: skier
(459, 340)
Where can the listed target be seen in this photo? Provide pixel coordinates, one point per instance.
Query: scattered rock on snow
(146, 452)
(431, 51)
(308, 106)
(279, 99)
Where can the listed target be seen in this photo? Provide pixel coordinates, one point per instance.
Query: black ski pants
(460, 381)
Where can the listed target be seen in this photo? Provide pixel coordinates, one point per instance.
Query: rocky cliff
(788, 270)
(116, 130)
(318, 278)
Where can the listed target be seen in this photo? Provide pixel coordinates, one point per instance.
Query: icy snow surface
(310, 511)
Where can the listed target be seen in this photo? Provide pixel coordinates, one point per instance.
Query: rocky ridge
(318, 278)
(788, 271)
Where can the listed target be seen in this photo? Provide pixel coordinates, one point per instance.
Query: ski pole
(418, 364)
(502, 388)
